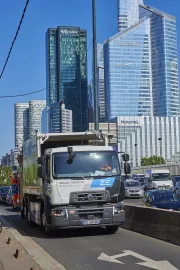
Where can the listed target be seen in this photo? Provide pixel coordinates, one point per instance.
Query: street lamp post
(96, 111)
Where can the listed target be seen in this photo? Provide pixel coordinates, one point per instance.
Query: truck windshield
(86, 164)
(161, 176)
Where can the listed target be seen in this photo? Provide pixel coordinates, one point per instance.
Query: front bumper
(134, 194)
(102, 215)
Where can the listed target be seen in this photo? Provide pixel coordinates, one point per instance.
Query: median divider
(157, 223)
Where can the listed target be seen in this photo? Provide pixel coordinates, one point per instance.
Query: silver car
(133, 189)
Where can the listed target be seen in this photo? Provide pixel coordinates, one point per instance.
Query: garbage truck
(72, 180)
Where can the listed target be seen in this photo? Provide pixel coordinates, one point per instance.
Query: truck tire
(28, 214)
(112, 229)
(44, 225)
(23, 210)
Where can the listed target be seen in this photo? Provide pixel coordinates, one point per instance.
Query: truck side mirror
(40, 172)
(125, 157)
(40, 161)
(127, 168)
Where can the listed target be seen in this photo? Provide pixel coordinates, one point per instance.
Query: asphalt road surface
(94, 250)
(133, 201)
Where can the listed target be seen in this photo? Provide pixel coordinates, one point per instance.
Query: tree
(5, 175)
(154, 160)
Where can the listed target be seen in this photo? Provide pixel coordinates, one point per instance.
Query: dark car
(175, 179)
(142, 180)
(164, 199)
(135, 176)
(126, 177)
(3, 192)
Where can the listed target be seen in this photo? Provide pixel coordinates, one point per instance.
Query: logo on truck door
(103, 183)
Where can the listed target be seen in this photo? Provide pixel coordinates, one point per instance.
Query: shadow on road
(36, 232)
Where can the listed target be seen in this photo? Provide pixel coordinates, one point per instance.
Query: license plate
(90, 222)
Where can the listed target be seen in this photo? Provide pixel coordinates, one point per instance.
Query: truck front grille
(91, 213)
(89, 197)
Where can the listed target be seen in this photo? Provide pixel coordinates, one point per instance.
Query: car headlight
(118, 209)
(59, 213)
(127, 190)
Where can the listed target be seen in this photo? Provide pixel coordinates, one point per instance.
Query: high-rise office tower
(21, 122)
(128, 13)
(100, 74)
(141, 65)
(164, 61)
(56, 119)
(66, 68)
(127, 60)
(35, 114)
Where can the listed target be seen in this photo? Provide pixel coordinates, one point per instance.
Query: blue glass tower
(141, 63)
(66, 51)
(128, 13)
(127, 60)
(164, 61)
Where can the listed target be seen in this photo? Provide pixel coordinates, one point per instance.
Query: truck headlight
(59, 213)
(118, 209)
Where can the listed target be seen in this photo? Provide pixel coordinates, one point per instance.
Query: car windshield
(161, 176)
(165, 197)
(4, 189)
(86, 164)
(177, 178)
(132, 184)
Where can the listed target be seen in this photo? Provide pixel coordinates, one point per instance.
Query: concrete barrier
(157, 223)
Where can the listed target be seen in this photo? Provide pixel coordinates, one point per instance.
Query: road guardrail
(157, 223)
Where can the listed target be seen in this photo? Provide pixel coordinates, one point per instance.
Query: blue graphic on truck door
(103, 183)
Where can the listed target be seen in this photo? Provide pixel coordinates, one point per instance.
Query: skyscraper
(35, 114)
(100, 74)
(127, 61)
(128, 13)
(164, 61)
(141, 63)
(21, 122)
(66, 53)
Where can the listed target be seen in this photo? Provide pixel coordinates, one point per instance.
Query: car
(3, 192)
(133, 189)
(163, 199)
(175, 179)
(149, 185)
(142, 180)
(135, 176)
(176, 189)
(9, 196)
(125, 177)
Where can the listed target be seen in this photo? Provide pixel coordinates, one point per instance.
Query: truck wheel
(112, 229)
(44, 225)
(28, 216)
(23, 211)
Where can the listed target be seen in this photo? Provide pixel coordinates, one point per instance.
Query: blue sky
(26, 68)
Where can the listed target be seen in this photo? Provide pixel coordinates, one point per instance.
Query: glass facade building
(100, 74)
(56, 119)
(164, 61)
(127, 60)
(141, 63)
(128, 13)
(66, 65)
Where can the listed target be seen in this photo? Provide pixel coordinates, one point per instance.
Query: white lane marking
(158, 265)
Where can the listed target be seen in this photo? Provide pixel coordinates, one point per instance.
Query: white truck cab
(160, 177)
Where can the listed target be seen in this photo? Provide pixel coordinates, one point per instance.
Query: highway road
(94, 250)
